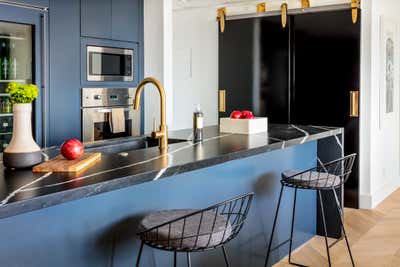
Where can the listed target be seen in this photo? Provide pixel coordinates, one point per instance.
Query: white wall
(384, 130)
(158, 58)
(195, 53)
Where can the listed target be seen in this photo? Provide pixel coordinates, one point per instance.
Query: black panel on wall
(302, 74)
(236, 64)
(326, 69)
(253, 57)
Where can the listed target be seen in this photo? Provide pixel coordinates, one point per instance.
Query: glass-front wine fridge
(15, 66)
(22, 60)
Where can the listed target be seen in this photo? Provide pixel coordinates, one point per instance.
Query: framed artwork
(389, 49)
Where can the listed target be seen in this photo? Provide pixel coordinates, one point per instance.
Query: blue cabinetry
(125, 20)
(64, 96)
(111, 19)
(114, 23)
(96, 18)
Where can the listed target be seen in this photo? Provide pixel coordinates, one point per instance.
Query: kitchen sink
(126, 144)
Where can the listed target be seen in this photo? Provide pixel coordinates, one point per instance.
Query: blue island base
(101, 230)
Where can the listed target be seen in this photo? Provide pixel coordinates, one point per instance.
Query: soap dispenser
(198, 124)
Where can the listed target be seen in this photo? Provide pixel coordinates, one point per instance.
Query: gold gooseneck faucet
(161, 134)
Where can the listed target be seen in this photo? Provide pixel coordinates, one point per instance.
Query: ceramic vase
(22, 152)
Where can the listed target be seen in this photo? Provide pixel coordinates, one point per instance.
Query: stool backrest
(341, 167)
(325, 176)
(209, 227)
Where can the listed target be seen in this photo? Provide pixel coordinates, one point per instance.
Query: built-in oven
(107, 113)
(109, 64)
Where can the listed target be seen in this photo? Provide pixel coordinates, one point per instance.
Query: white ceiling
(247, 4)
(179, 4)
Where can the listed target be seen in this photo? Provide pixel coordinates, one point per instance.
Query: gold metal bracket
(355, 5)
(221, 16)
(261, 8)
(305, 4)
(284, 9)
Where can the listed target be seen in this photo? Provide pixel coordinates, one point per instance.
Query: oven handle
(109, 110)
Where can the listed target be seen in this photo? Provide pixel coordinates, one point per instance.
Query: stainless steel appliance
(109, 64)
(102, 108)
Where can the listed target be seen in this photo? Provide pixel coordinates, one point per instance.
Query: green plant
(22, 93)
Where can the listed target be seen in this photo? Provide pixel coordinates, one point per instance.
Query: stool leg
(225, 256)
(140, 254)
(273, 227)
(324, 221)
(174, 258)
(342, 224)
(292, 228)
(189, 262)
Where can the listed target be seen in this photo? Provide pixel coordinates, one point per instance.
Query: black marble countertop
(23, 191)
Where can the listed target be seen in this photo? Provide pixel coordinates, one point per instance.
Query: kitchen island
(90, 218)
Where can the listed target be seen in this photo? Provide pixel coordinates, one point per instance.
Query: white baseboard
(365, 201)
(368, 201)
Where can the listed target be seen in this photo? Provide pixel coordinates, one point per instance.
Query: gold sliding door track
(353, 6)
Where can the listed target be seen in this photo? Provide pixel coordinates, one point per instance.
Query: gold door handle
(354, 104)
(222, 101)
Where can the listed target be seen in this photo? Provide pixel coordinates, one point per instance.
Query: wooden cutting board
(61, 164)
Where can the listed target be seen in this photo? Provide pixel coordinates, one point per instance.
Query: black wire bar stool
(328, 176)
(188, 230)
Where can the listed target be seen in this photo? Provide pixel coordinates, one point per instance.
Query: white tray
(243, 126)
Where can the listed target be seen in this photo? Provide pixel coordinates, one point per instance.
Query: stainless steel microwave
(109, 64)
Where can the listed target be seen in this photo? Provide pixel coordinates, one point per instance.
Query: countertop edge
(46, 201)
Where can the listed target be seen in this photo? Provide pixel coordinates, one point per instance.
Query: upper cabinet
(111, 19)
(96, 18)
(125, 20)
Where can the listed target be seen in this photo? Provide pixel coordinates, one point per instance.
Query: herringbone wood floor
(374, 237)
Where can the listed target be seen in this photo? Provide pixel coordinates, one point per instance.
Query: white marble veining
(160, 173)
(303, 131)
(5, 201)
(331, 132)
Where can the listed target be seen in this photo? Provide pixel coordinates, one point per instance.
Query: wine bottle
(2, 54)
(13, 69)
(13, 62)
(5, 55)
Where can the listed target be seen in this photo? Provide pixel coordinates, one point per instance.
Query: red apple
(72, 149)
(236, 114)
(247, 114)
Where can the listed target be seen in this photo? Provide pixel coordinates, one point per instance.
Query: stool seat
(310, 179)
(200, 231)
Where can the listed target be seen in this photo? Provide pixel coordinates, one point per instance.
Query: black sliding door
(326, 69)
(302, 74)
(253, 64)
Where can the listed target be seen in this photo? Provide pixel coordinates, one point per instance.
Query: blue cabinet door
(96, 18)
(125, 20)
(64, 97)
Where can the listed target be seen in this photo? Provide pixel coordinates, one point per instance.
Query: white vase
(22, 152)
